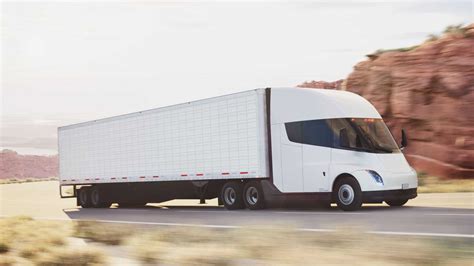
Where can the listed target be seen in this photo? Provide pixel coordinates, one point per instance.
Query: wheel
(97, 198)
(348, 194)
(232, 195)
(253, 196)
(84, 198)
(396, 202)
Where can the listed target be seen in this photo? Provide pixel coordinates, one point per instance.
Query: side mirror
(344, 138)
(404, 142)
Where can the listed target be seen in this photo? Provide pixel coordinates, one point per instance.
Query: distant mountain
(14, 165)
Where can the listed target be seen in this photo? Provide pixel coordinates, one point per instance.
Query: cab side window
(312, 132)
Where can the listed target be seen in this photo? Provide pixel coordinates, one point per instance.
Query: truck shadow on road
(177, 213)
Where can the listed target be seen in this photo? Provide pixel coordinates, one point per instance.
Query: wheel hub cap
(252, 195)
(229, 196)
(346, 194)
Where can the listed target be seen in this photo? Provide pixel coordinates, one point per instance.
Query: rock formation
(322, 84)
(427, 90)
(14, 165)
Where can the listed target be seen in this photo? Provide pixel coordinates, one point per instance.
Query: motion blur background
(66, 62)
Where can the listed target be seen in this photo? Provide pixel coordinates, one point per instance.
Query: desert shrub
(4, 246)
(267, 245)
(70, 256)
(432, 37)
(455, 29)
(28, 237)
(7, 260)
(107, 233)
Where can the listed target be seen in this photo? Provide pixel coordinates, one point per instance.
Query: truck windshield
(366, 134)
(360, 134)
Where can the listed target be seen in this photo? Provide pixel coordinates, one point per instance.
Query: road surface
(438, 215)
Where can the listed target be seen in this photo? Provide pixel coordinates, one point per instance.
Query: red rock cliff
(429, 91)
(14, 165)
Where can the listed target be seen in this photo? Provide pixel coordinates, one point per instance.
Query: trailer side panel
(218, 138)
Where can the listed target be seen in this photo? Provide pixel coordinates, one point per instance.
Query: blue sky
(68, 62)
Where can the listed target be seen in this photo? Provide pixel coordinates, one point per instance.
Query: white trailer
(251, 149)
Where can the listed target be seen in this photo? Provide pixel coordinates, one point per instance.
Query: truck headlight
(376, 176)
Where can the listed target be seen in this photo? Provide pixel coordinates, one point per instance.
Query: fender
(366, 181)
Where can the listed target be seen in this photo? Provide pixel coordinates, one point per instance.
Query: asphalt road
(421, 217)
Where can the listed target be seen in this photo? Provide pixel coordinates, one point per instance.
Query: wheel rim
(346, 194)
(230, 196)
(252, 195)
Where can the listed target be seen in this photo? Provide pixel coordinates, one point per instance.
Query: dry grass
(110, 234)
(25, 241)
(431, 184)
(285, 246)
(71, 256)
(30, 242)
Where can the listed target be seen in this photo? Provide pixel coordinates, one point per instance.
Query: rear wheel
(396, 202)
(348, 194)
(231, 195)
(97, 198)
(253, 196)
(84, 197)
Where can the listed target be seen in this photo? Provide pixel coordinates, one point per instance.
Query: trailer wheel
(397, 202)
(253, 196)
(84, 198)
(232, 195)
(348, 194)
(97, 198)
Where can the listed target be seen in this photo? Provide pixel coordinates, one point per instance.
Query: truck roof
(329, 103)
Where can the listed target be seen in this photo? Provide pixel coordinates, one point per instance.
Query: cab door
(291, 162)
(317, 138)
(316, 162)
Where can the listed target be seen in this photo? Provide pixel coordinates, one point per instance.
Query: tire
(253, 196)
(396, 202)
(84, 197)
(232, 195)
(97, 198)
(348, 194)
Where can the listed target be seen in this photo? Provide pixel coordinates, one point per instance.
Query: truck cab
(335, 143)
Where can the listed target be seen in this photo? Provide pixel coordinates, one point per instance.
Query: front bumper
(383, 195)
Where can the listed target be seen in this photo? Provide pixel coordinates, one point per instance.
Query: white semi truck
(252, 149)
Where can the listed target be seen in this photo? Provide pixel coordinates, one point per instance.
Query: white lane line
(266, 212)
(420, 234)
(450, 214)
(317, 213)
(238, 226)
(216, 211)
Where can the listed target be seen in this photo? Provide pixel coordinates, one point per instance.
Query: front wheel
(348, 194)
(253, 196)
(396, 202)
